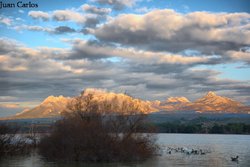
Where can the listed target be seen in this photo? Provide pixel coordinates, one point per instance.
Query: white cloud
(37, 28)
(117, 4)
(5, 20)
(21, 11)
(68, 15)
(144, 10)
(8, 105)
(96, 10)
(243, 56)
(39, 15)
(167, 30)
(83, 19)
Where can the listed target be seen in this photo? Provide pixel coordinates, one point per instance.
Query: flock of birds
(188, 151)
(185, 150)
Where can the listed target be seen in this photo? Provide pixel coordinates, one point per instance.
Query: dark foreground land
(161, 123)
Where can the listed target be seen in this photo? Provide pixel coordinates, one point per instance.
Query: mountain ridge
(210, 103)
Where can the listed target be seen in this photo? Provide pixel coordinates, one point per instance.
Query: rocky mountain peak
(177, 100)
(54, 99)
(214, 103)
(211, 94)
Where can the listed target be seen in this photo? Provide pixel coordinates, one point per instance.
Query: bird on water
(235, 158)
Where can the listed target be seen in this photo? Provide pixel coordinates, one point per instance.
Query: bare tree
(93, 131)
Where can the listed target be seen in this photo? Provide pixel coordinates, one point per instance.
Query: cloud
(144, 10)
(95, 50)
(93, 20)
(86, 15)
(7, 98)
(42, 71)
(21, 11)
(63, 29)
(39, 15)
(23, 59)
(96, 10)
(86, 20)
(48, 71)
(174, 32)
(35, 28)
(68, 15)
(72, 15)
(242, 55)
(6, 21)
(117, 4)
(9, 106)
(7, 45)
(51, 30)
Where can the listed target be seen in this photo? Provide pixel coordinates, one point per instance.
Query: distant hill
(210, 103)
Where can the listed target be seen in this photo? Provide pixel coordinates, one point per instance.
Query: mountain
(177, 100)
(214, 103)
(54, 106)
(210, 103)
(50, 107)
(174, 104)
(117, 102)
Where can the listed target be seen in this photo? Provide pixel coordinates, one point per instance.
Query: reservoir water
(218, 148)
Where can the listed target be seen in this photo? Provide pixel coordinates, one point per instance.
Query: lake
(218, 152)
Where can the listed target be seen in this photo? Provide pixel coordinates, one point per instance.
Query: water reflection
(221, 147)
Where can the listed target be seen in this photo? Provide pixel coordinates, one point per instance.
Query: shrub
(89, 133)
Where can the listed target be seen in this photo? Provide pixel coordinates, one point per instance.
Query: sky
(150, 49)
